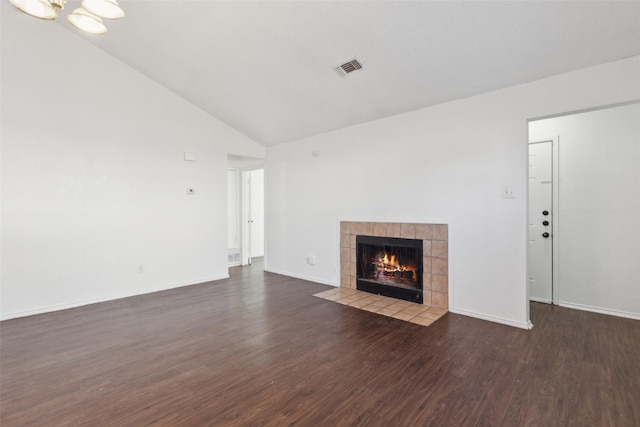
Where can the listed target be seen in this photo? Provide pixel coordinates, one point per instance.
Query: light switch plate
(507, 192)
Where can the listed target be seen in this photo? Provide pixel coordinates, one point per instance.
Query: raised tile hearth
(419, 314)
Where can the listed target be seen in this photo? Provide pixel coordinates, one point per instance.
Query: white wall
(93, 177)
(599, 207)
(445, 162)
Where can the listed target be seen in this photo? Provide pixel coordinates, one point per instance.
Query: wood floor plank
(259, 350)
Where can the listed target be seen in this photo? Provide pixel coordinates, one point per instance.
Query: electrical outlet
(191, 191)
(311, 260)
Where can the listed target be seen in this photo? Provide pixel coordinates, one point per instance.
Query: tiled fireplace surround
(435, 238)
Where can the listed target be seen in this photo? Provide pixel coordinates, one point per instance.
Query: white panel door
(540, 256)
(256, 214)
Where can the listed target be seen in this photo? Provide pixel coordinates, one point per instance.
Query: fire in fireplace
(390, 267)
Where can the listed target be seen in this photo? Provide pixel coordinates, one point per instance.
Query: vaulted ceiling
(267, 68)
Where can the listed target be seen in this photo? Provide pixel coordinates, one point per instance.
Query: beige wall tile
(344, 280)
(345, 253)
(345, 240)
(440, 266)
(426, 281)
(426, 248)
(440, 300)
(352, 268)
(352, 282)
(367, 229)
(344, 227)
(440, 283)
(352, 255)
(440, 232)
(344, 266)
(440, 249)
(423, 231)
(426, 264)
(426, 298)
(352, 241)
(408, 231)
(393, 229)
(380, 229)
(356, 228)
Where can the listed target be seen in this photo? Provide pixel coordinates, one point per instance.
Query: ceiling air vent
(349, 67)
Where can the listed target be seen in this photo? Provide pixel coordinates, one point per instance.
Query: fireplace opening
(389, 266)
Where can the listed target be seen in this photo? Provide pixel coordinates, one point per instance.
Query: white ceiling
(266, 68)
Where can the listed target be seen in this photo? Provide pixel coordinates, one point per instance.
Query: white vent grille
(349, 67)
(234, 257)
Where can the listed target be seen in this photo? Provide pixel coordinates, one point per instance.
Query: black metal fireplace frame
(413, 295)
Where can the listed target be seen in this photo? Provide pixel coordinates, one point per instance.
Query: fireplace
(435, 253)
(390, 266)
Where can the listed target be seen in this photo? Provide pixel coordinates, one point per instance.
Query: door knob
(545, 234)
(545, 223)
(545, 213)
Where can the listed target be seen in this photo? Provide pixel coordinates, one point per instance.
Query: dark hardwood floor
(259, 349)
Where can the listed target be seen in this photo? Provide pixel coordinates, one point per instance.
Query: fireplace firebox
(390, 266)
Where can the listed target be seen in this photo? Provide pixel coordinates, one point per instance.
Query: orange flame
(390, 264)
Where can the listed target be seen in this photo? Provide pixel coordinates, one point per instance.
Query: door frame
(555, 210)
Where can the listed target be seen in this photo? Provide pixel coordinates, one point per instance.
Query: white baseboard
(301, 277)
(600, 310)
(64, 306)
(542, 300)
(508, 322)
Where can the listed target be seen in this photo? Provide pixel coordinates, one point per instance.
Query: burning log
(391, 268)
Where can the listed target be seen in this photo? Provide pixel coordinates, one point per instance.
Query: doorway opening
(253, 247)
(583, 174)
(245, 242)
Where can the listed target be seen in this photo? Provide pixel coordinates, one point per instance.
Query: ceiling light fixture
(107, 9)
(87, 18)
(87, 21)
